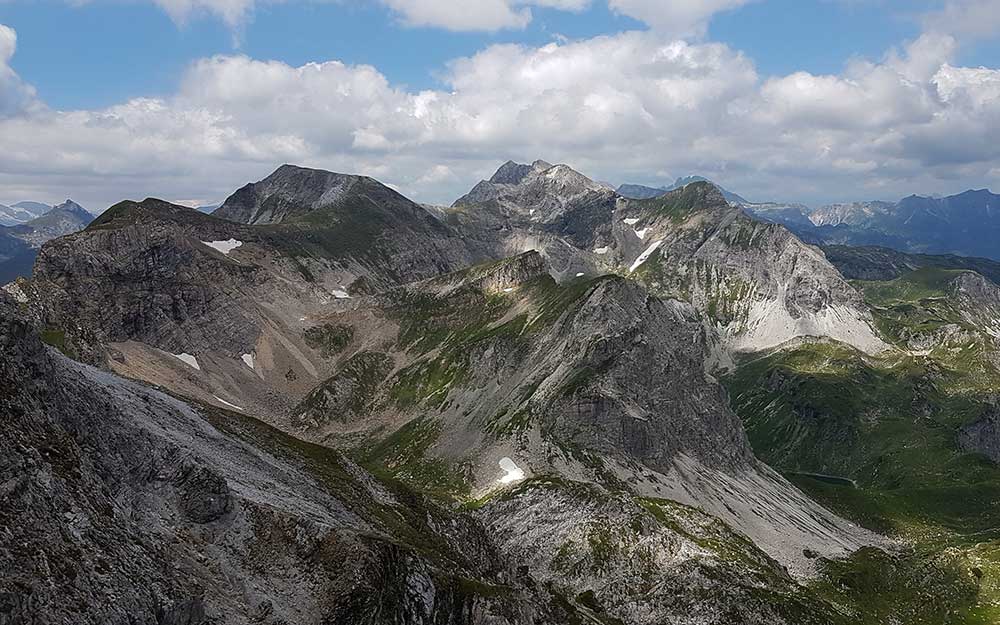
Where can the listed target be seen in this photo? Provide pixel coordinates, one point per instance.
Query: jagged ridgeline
(503, 411)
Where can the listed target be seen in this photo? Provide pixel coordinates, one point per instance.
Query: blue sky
(98, 53)
(103, 57)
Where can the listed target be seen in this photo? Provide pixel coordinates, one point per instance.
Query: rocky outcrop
(982, 436)
(645, 560)
(978, 299)
(757, 282)
(143, 273)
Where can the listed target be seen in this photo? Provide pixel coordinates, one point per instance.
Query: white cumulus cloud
(635, 106)
(15, 95)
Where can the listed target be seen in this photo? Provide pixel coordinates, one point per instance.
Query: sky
(812, 101)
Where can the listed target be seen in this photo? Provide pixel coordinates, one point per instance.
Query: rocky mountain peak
(69, 206)
(540, 190)
(511, 173)
(643, 192)
(293, 192)
(698, 195)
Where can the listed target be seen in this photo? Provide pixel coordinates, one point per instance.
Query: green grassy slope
(876, 440)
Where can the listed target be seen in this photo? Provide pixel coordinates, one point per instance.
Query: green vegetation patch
(680, 204)
(54, 337)
(924, 283)
(403, 455)
(329, 339)
(912, 588)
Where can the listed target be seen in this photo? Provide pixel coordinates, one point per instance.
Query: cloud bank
(637, 106)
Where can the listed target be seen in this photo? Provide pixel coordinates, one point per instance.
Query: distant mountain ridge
(22, 212)
(19, 244)
(643, 192)
(966, 224)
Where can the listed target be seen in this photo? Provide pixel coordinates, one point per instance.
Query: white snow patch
(15, 291)
(188, 359)
(224, 246)
(644, 256)
(226, 403)
(632, 222)
(248, 359)
(642, 233)
(340, 293)
(602, 250)
(513, 472)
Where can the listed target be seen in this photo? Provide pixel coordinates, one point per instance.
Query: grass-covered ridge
(681, 203)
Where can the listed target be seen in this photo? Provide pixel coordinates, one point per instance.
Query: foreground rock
(125, 505)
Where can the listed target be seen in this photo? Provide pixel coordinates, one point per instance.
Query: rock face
(757, 282)
(344, 217)
(645, 561)
(982, 436)
(540, 192)
(551, 209)
(979, 300)
(852, 214)
(122, 504)
(297, 193)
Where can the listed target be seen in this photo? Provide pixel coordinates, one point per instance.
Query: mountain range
(642, 192)
(19, 242)
(22, 212)
(549, 402)
(965, 224)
